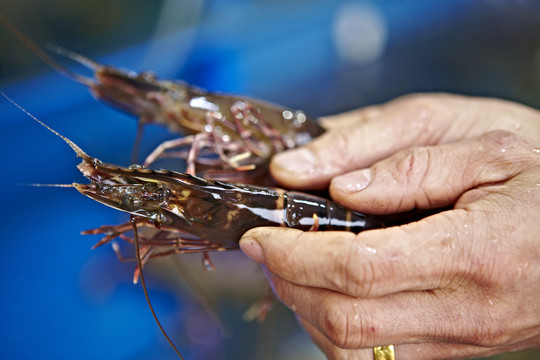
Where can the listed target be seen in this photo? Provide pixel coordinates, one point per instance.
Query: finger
(369, 135)
(350, 323)
(357, 139)
(416, 317)
(418, 256)
(420, 351)
(432, 177)
(331, 350)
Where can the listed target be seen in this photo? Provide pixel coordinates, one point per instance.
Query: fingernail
(296, 161)
(353, 181)
(252, 249)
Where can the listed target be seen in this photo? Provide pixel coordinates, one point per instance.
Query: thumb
(337, 151)
(434, 176)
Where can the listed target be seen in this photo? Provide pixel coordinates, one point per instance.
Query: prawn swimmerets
(191, 214)
(227, 137)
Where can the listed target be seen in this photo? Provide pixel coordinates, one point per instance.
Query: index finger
(416, 256)
(360, 138)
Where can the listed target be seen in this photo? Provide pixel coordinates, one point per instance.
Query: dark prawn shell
(212, 211)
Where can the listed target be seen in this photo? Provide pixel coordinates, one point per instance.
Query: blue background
(59, 299)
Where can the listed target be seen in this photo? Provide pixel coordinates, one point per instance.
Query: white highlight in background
(360, 33)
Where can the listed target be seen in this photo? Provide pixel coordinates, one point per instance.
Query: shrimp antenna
(78, 58)
(139, 264)
(50, 185)
(80, 153)
(42, 55)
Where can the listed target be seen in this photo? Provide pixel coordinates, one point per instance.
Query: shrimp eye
(131, 202)
(163, 219)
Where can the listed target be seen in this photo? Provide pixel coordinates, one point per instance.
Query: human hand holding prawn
(460, 283)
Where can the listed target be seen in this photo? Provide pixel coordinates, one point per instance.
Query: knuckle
(506, 145)
(507, 154)
(419, 106)
(409, 172)
(419, 101)
(358, 273)
(429, 113)
(362, 278)
(499, 140)
(349, 328)
(488, 333)
(337, 328)
(340, 142)
(410, 165)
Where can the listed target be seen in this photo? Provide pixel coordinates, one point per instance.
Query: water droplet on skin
(371, 250)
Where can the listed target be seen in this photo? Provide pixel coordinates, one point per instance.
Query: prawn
(228, 137)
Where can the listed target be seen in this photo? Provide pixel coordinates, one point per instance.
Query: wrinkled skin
(460, 283)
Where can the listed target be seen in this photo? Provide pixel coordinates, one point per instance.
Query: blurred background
(62, 300)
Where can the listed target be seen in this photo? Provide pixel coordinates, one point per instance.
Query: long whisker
(81, 59)
(80, 153)
(49, 185)
(43, 56)
(139, 264)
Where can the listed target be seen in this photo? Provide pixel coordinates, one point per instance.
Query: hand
(463, 282)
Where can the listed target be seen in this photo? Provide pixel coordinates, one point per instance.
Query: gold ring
(384, 353)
